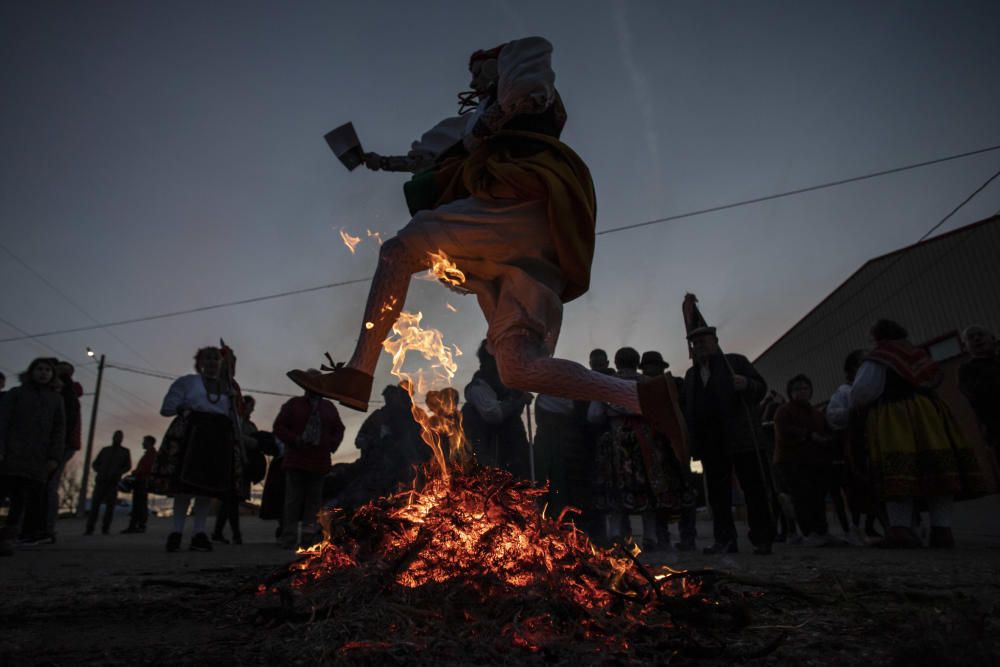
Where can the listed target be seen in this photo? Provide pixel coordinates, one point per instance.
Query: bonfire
(464, 564)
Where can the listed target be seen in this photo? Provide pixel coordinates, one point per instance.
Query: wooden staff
(531, 444)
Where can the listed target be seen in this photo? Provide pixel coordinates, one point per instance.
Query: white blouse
(868, 385)
(188, 393)
(838, 410)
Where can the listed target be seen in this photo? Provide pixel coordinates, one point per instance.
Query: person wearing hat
(633, 474)
(391, 452)
(652, 365)
(721, 393)
(312, 431)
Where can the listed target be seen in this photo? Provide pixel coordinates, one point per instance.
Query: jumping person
(515, 209)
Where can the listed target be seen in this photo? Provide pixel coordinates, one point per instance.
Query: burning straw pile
(465, 567)
(470, 569)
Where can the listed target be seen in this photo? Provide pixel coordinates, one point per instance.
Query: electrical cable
(798, 191)
(188, 311)
(69, 299)
(77, 364)
(671, 218)
(899, 256)
(168, 376)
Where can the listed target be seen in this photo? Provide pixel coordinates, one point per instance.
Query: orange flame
(350, 241)
(445, 270)
(439, 418)
(463, 522)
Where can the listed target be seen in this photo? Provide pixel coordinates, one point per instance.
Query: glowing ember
(350, 241)
(451, 307)
(478, 531)
(375, 235)
(369, 325)
(478, 542)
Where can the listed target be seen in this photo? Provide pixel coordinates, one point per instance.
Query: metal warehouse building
(935, 289)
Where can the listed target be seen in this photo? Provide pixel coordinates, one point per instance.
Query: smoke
(640, 87)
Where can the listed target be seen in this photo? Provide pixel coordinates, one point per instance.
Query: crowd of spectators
(883, 448)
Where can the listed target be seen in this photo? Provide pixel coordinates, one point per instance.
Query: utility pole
(82, 503)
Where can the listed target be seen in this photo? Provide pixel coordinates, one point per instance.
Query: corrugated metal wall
(939, 286)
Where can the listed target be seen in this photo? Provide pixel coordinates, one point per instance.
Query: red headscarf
(486, 54)
(911, 363)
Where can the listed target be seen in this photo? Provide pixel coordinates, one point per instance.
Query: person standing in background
(916, 450)
(198, 457)
(721, 395)
(111, 463)
(140, 487)
(32, 438)
(652, 365)
(311, 429)
(492, 420)
(979, 380)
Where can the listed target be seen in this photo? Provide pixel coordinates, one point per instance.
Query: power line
(799, 191)
(61, 355)
(188, 311)
(69, 299)
(918, 274)
(679, 216)
(168, 376)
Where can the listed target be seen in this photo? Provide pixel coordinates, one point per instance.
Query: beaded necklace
(208, 392)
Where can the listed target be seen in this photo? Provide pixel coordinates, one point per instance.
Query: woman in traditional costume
(916, 450)
(200, 458)
(633, 474)
(514, 208)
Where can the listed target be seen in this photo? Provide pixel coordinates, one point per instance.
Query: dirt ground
(122, 600)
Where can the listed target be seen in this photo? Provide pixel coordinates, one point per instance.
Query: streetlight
(80, 507)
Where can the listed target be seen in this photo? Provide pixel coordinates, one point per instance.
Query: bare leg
(524, 364)
(396, 265)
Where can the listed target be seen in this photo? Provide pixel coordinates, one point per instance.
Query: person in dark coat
(311, 430)
(272, 498)
(979, 380)
(140, 487)
(491, 417)
(40, 518)
(721, 394)
(111, 463)
(805, 448)
(391, 448)
(32, 438)
(253, 472)
(558, 442)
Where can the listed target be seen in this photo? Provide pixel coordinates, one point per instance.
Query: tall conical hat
(694, 321)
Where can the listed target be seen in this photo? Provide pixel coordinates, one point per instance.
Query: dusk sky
(164, 156)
